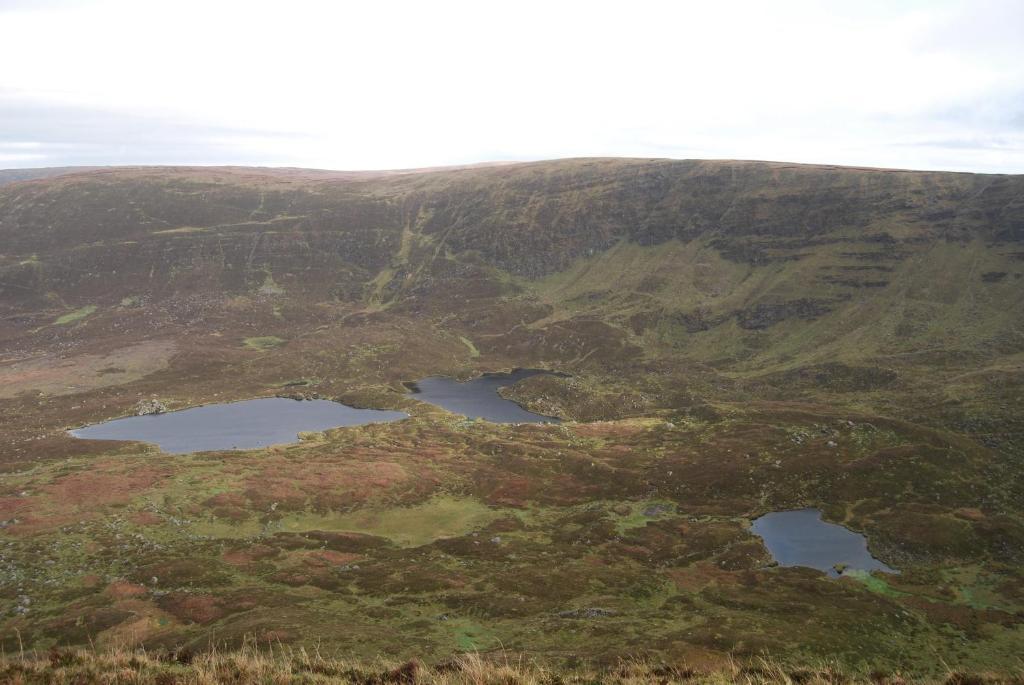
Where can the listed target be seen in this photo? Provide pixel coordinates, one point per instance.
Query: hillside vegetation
(735, 338)
(252, 667)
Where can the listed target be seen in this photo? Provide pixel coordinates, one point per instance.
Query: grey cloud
(33, 133)
(982, 143)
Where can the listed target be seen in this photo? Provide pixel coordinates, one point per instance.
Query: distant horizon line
(72, 168)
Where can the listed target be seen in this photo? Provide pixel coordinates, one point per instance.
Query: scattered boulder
(656, 510)
(147, 407)
(587, 612)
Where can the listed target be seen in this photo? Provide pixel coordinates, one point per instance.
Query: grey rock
(147, 407)
(657, 510)
(587, 612)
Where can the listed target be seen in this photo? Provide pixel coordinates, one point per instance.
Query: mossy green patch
(411, 526)
(473, 352)
(470, 636)
(270, 286)
(874, 583)
(75, 316)
(264, 342)
(181, 230)
(420, 524)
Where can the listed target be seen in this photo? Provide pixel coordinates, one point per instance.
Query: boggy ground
(706, 386)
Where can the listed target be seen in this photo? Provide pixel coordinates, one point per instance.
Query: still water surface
(235, 425)
(802, 538)
(479, 398)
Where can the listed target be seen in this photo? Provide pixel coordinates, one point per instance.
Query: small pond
(802, 538)
(235, 425)
(478, 398)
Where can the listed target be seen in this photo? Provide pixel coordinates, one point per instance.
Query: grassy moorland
(251, 666)
(738, 338)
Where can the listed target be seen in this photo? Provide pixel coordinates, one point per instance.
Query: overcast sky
(935, 84)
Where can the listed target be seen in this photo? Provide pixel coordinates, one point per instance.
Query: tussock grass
(278, 667)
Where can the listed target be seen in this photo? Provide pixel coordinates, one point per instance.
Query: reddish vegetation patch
(192, 608)
(145, 518)
(12, 506)
(970, 513)
(56, 376)
(82, 495)
(248, 555)
(104, 483)
(327, 556)
(700, 575)
(512, 492)
(333, 484)
(122, 589)
(292, 578)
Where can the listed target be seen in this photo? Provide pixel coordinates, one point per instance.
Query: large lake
(802, 538)
(478, 398)
(235, 425)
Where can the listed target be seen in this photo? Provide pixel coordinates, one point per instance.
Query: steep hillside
(791, 275)
(735, 337)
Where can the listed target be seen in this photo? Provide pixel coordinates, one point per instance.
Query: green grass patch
(473, 352)
(270, 286)
(471, 637)
(413, 526)
(264, 342)
(77, 315)
(439, 517)
(873, 583)
(181, 229)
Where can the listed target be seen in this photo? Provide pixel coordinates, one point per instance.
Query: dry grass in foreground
(251, 666)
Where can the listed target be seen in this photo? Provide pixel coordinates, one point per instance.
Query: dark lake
(479, 398)
(235, 425)
(802, 538)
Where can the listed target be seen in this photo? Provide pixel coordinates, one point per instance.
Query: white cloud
(399, 84)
